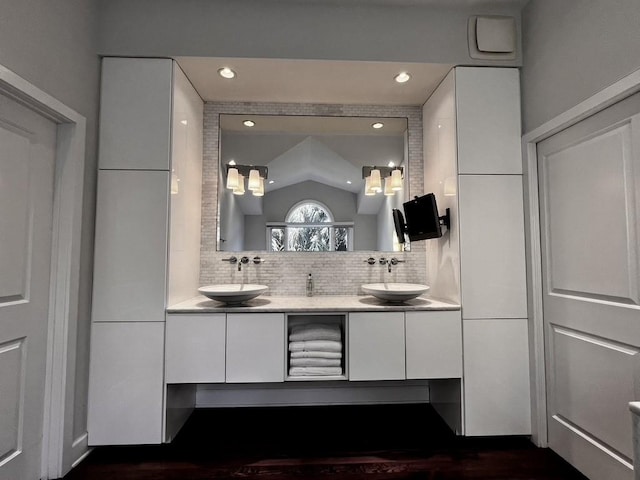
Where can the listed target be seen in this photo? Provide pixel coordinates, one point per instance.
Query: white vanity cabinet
(412, 345)
(256, 350)
(219, 348)
(433, 344)
(195, 348)
(376, 346)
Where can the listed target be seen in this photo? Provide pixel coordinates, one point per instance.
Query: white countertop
(324, 303)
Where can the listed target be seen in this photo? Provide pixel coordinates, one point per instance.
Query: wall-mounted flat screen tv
(421, 220)
(398, 223)
(421, 217)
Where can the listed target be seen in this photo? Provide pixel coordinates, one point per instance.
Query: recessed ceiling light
(226, 72)
(377, 125)
(271, 181)
(349, 182)
(249, 123)
(183, 122)
(232, 162)
(391, 164)
(402, 77)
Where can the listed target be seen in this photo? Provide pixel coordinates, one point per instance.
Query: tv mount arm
(446, 219)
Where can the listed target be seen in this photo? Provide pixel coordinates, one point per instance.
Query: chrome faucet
(244, 260)
(392, 261)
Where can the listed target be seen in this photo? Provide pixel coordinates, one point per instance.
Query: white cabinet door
(492, 258)
(255, 347)
(130, 266)
(135, 113)
(488, 120)
(125, 383)
(376, 346)
(195, 348)
(433, 344)
(496, 377)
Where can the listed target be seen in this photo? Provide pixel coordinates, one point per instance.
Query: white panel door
(130, 266)
(256, 350)
(195, 348)
(589, 176)
(488, 120)
(125, 383)
(27, 156)
(376, 346)
(492, 261)
(433, 344)
(496, 377)
(135, 113)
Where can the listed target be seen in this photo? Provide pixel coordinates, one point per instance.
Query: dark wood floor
(388, 442)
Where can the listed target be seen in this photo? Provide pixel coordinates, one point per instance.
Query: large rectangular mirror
(311, 191)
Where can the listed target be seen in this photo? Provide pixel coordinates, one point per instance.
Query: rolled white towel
(315, 362)
(315, 354)
(313, 331)
(314, 371)
(321, 345)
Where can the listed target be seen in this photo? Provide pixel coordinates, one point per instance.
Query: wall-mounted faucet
(244, 260)
(394, 261)
(389, 262)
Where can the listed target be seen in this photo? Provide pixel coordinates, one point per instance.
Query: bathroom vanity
(230, 356)
(158, 350)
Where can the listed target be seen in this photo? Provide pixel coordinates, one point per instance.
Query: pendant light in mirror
(239, 189)
(373, 179)
(232, 177)
(254, 180)
(256, 175)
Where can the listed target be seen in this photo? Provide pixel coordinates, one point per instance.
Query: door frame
(58, 443)
(614, 93)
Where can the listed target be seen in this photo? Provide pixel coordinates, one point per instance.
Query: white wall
(286, 29)
(440, 170)
(572, 49)
(53, 46)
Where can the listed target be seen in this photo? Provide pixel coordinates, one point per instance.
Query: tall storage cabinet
(131, 251)
(492, 255)
(473, 164)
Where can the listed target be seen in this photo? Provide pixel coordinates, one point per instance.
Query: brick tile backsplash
(334, 273)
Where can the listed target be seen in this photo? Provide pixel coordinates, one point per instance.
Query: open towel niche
(316, 347)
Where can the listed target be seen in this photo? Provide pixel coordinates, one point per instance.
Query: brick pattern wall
(338, 273)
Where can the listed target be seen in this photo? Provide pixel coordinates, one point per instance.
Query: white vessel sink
(395, 292)
(232, 293)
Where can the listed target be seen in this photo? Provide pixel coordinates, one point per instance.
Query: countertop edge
(325, 303)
